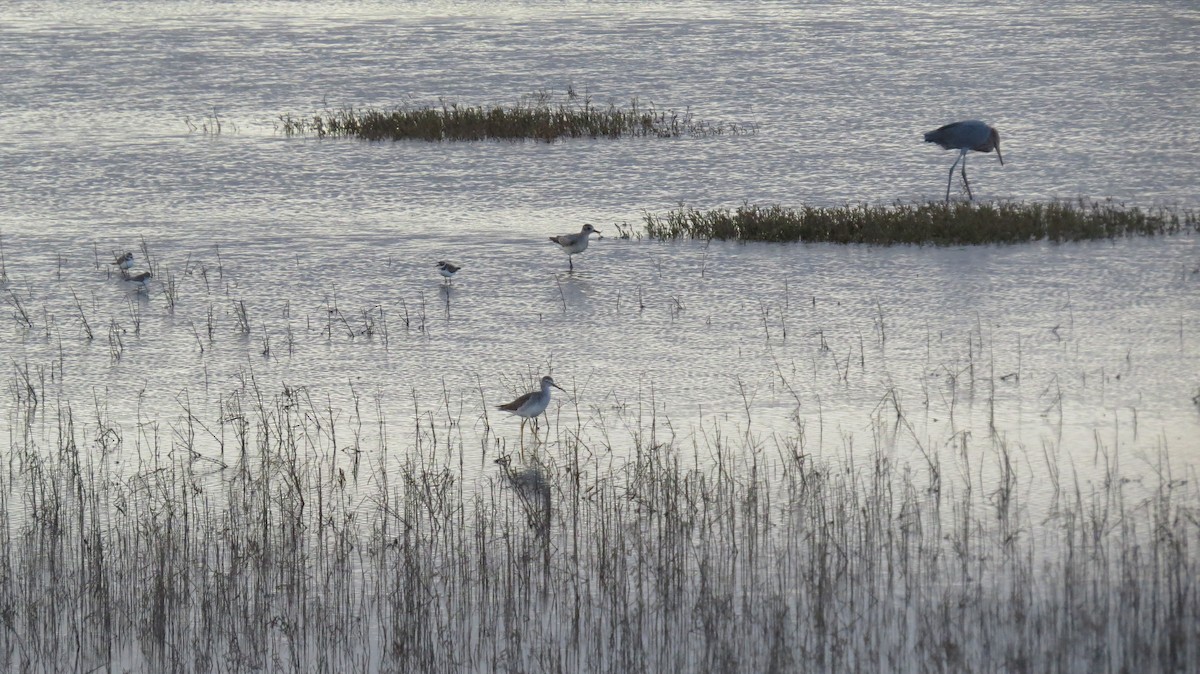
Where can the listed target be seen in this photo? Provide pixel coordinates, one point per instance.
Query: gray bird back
(971, 134)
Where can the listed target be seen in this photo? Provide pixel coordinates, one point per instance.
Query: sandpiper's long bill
(574, 244)
(531, 404)
(123, 262)
(447, 270)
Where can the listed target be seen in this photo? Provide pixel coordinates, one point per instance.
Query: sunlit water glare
(699, 517)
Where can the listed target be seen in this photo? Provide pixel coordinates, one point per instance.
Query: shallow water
(104, 147)
(695, 517)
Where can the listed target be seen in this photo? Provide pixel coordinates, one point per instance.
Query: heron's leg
(966, 183)
(950, 178)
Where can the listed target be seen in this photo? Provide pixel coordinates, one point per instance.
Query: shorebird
(574, 244)
(123, 262)
(142, 277)
(965, 136)
(447, 270)
(531, 404)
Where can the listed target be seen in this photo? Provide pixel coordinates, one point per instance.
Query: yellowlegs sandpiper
(574, 244)
(447, 270)
(123, 262)
(531, 404)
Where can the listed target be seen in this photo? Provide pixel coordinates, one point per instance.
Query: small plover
(123, 262)
(141, 277)
(447, 270)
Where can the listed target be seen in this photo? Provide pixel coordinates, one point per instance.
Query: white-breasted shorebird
(447, 270)
(574, 244)
(123, 262)
(531, 404)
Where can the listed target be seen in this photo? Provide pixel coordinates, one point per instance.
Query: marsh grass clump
(535, 117)
(930, 223)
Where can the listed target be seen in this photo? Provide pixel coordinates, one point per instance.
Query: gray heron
(965, 136)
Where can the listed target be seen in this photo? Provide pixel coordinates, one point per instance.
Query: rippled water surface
(104, 147)
(284, 453)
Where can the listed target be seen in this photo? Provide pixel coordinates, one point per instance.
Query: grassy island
(535, 117)
(933, 223)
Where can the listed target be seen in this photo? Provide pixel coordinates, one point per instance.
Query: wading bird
(123, 262)
(574, 244)
(447, 270)
(965, 136)
(142, 277)
(531, 404)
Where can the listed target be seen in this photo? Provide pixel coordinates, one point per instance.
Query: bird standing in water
(142, 278)
(530, 405)
(574, 244)
(447, 270)
(965, 136)
(123, 262)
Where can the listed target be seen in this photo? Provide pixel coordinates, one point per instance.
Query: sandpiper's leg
(571, 261)
(523, 420)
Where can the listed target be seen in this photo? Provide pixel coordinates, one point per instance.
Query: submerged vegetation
(535, 117)
(288, 527)
(930, 223)
(285, 535)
